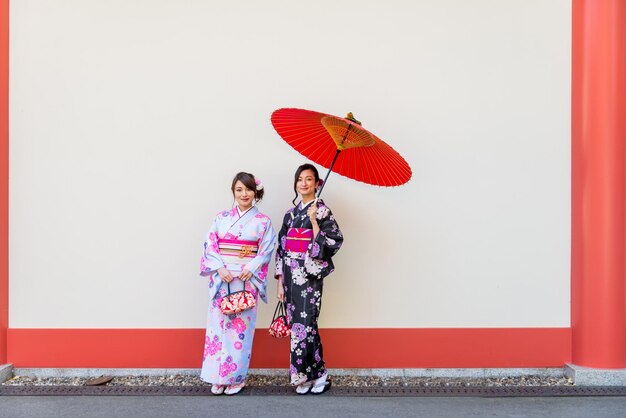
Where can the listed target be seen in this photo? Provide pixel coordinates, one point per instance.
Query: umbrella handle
(319, 193)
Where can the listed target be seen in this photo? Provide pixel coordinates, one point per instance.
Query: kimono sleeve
(280, 247)
(258, 265)
(211, 259)
(329, 239)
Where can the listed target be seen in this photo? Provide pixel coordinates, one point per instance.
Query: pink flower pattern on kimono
(211, 347)
(213, 242)
(227, 359)
(238, 325)
(232, 351)
(227, 368)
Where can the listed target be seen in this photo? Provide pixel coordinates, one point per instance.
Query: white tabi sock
(304, 387)
(319, 384)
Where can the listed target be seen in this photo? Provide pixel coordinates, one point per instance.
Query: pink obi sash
(298, 239)
(234, 251)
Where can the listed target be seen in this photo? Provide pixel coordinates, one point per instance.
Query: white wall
(128, 119)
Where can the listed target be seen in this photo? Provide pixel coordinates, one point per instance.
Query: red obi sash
(298, 239)
(234, 251)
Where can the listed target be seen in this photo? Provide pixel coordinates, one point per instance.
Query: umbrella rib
(384, 166)
(359, 163)
(396, 158)
(366, 166)
(314, 143)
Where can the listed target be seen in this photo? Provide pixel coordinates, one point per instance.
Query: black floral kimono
(304, 262)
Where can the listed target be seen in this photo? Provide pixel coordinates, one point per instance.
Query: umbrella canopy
(342, 145)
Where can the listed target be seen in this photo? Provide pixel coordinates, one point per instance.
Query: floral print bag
(236, 302)
(280, 326)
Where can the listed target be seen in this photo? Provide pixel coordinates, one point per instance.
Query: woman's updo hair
(249, 181)
(299, 171)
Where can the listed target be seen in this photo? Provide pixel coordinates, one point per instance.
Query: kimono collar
(242, 220)
(240, 212)
(234, 212)
(302, 206)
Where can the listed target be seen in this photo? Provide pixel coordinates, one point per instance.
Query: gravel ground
(345, 381)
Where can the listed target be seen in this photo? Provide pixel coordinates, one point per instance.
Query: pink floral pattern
(228, 342)
(238, 325)
(227, 368)
(211, 347)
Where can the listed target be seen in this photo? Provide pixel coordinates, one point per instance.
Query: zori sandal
(217, 389)
(234, 389)
(304, 388)
(322, 387)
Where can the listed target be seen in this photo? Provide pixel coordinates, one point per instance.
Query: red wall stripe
(343, 348)
(599, 183)
(4, 177)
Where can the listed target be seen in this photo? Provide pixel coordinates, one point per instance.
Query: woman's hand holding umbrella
(312, 213)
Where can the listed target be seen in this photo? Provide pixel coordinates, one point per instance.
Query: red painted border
(598, 278)
(4, 177)
(343, 348)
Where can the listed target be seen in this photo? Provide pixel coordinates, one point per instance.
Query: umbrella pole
(339, 148)
(328, 174)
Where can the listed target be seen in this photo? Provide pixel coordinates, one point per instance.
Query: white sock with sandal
(234, 389)
(217, 389)
(303, 388)
(319, 384)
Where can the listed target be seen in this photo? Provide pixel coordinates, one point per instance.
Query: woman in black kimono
(308, 239)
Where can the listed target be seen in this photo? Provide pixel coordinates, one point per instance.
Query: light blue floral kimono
(228, 342)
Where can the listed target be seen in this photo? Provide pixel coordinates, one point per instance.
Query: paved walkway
(306, 406)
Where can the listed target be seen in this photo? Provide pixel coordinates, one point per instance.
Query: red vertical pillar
(599, 183)
(4, 177)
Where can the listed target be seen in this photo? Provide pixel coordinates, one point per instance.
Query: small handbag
(280, 326)
(238, 301)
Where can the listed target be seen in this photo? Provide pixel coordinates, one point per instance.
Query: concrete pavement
(306, 406)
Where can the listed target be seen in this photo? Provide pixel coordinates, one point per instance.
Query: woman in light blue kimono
(237, 250)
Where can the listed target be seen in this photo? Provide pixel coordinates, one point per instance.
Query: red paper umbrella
(342, 145)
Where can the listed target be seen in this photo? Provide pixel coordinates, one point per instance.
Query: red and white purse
(238, 301)
(280, 326)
